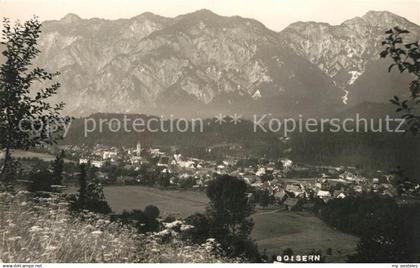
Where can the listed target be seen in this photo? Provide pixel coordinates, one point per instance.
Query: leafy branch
(406, 57)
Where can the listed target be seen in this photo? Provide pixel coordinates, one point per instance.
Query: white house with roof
(323, 194)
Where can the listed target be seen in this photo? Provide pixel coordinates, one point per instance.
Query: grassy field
(300, 231)
(171, 202)
(28, 154)
(40, 230)
(273, 230)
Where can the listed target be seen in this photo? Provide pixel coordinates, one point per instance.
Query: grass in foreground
(40, 230)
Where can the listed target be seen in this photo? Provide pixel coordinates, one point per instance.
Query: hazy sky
(275, 14)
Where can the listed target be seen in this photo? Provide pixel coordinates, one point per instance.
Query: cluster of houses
(287, 183)
(101, 155)
(299, 194)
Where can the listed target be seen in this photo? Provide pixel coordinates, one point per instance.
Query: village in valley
(274, 184)
(128, 136)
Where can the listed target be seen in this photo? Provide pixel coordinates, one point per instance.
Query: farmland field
(273, 230)
(300, 231)
(29, 154)
(170, 202)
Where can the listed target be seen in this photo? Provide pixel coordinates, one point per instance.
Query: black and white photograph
(138, 132)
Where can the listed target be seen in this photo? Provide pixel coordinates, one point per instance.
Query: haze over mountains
(204, 64)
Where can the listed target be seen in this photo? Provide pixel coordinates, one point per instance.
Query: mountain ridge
(202, 62)
(343, 51)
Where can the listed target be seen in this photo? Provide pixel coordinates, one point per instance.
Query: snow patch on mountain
(257, 95)
(354, 76)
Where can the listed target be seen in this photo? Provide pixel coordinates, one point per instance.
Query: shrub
(145, 221)
(201, 230)
(92, 200)
(91, 195)
(41, 181)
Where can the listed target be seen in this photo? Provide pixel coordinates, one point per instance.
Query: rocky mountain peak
(149, 62)
(203, 13)
(342, 51)
(149, 16)
(203, 16)
(70, 18)
(383, 18)
(378, 19)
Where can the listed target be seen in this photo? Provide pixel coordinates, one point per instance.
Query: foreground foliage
(34, 229)
(23, 108)
(389, 231)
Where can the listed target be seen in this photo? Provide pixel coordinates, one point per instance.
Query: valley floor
(274, 230)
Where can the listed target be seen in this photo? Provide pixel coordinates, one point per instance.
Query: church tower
(138, 149)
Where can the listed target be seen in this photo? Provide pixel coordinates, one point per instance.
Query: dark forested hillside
(371, 151)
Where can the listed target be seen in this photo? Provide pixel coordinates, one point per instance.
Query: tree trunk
(5, 163)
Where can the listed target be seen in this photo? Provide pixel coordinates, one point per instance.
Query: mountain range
(202, 64)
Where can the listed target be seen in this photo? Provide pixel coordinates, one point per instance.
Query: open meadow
(274, 230)
(19, 154)
(170, 202)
